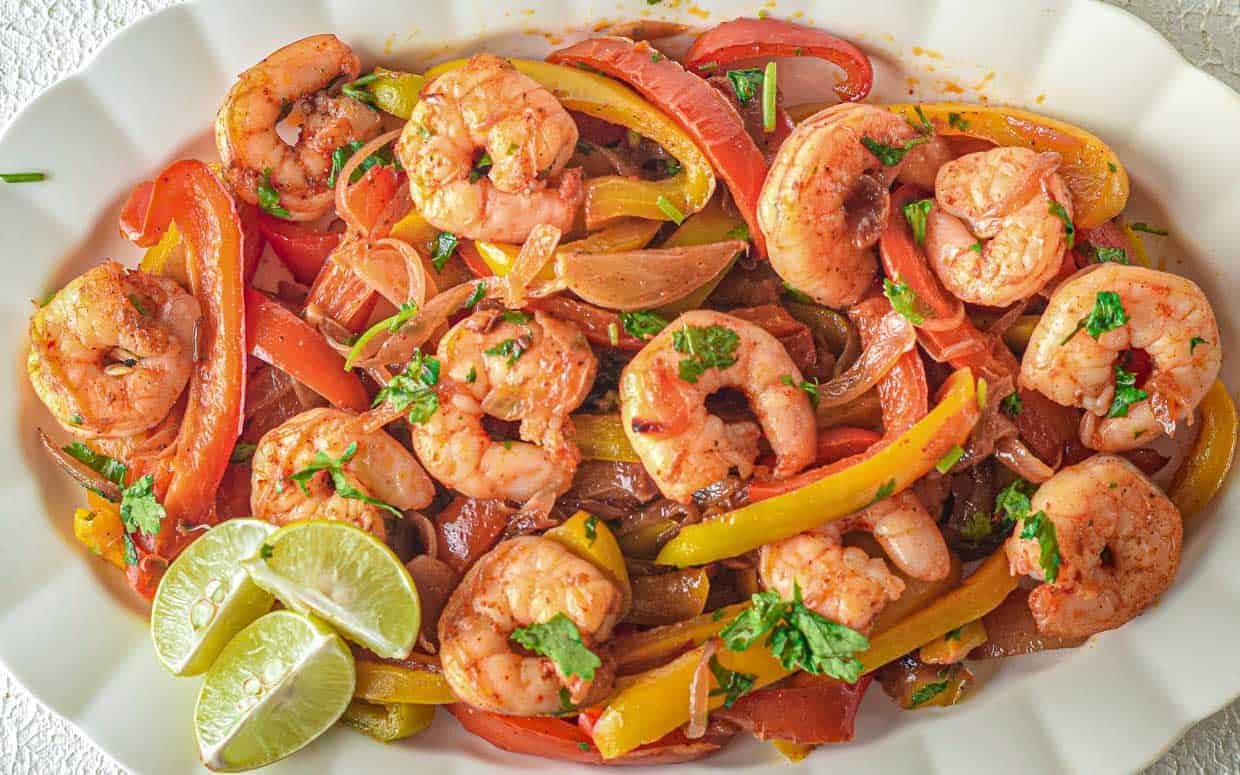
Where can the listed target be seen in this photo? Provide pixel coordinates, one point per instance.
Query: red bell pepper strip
(743, 39)
(473, 259)
(835, 444)
(302, 249)
(902, 257)
(705, 114)
(279, 337)
(340, 294)
(809, 709)
(556, 738)
(186, 481)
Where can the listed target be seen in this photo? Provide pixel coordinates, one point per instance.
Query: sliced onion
(894, 337)
(644, 279)
(946, 323)
(1018, 458)
(399, 347)
(958, 349)
(390, 267)
(353, 224)
(538, 250)
(699, 693)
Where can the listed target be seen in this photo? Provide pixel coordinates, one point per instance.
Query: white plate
(72, 634)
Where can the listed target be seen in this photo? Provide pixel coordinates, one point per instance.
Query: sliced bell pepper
(393, 92)
(338, 293)
(641, 650)
(700, 110)
(657, 702)
(185, 482)
(808, 710)
(99, 528)
(835, 444)
(955, 645)
(167, 257)
(613, 196)
(887, 472)
(793, 752)
(1204, 471)
(302, 249)
(917, 593)
(746, 39)
(589, 537)
(279, 337)
(387, 722)
(411, 683)
(601, 437)
(980, 594)
(1095, 177)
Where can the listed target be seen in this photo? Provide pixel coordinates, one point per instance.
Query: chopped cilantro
(746, 83)
(559, 640)
(669, 209)
(509, 348)
(707, 347)
(266, 550)
(809, 386)
(390, 324)
(797, 636)
(413, 388)
(591, 528)
(442, 248)
(1012, 405)
(890, 155)
(109, 468)
(1126, 393)
(472, 376)
(341, 156)
(954, 120)
(1040, 526)
(1013, 500)
(927, 692)
(954, 634)
(269, 198)
(140, 510)
(1107, 315)
(586, 746)
(730, 684)
(1069, 231)
(1192, 343)
(656, 57)
(1148, 229)
(976, 247)
(950, 459)
(885, 490)
(903, 299)
(131, 551)
(516, 316)
(566, 702)
(335, 469)
(242, 452)
(481, 168)
(137, 304)
(23, 177)
(1101, 254)
(642, 325)
(915, 213)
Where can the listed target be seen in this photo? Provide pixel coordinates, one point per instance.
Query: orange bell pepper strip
(186, 481)
(1204, 471)
(887, 472)
(280, 338)
(704, 113)
(1095, 177)
(747, 39)
(300, 248)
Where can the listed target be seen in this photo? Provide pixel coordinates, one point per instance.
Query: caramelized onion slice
(644, 279)
(895, 336)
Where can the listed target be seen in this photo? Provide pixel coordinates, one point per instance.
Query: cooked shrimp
(993, 236)
(489, 108)
(521, 582)
(294, 81)
(112, 351)
(845, 584)
(1119, 546)
(681, 444)
(379, 469)
(1167, 316)
(512, 366)
(825, 201)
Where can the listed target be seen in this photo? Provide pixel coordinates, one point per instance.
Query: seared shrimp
(1167, 316)
(993, 235)
(489, 108)
(845, 584)
(380, 468)
(533, 368)
(525, 581)
(681, 444)
(825, 201)
(294, 78)
(112, 351)
(1119, 546)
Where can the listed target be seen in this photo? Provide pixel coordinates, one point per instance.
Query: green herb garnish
(442, 248)
(730, 684)
(915, 213)
(335, 469)
(390, 324)
(1107, 315)
(1069, 230)
(746, 83)
(269, 198)
(140, 510)
(903, 299)
(927, 692)
(559, 640)
(890, 155)
(707, 347)
(809, 386)
(1012, 405)
(1126, 393)
(413, 388)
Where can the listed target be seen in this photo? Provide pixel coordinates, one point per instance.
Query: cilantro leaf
(335, 469)
(797, 636)
(242, 452)
(559, 640)
(1107, 315)
(1126, 393)
(442, 248)
(1013, 500)
(591, 528)
(109, 468)
(809, 386)
(885, 490)
(511, 348)
(954, 634)
(1192, 343)
(481, 168)
(515, 316)
(954, 120)
(131, 551)
(1069, 230)
(413, 388)
(480, 290)
(140, 510)
(269, 198)
(138, 305)
(707, 347)
(1101, 254)
(731, 684)
(764, 612)
(890, 155)
(1012, 405)
(950, 459)
(746, 83)
(1040, 526)
(903, 299)
(1148, 229)
(380, 158)
(915, 213)
(927, 692)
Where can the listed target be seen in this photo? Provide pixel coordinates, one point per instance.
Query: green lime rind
(206, 597)
(279, 684)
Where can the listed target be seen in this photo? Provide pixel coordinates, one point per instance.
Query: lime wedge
(206, 597)
(275, 687)
(346, 576)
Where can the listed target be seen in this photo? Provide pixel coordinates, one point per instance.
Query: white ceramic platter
(72, 634)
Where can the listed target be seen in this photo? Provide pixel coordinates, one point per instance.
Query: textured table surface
(43, 40)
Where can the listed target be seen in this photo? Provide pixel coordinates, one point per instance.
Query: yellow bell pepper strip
(887, 472)
(1018, 334)
(658, 701)
(601, 437)
(917, 594)
(99, 528)
(636, 652)
(388, 90)
(793, 752)
(980, 594)
(1092, 171)
(613, 196)
(667, 598)
(625, 234)
(712, 224)
(1203, 472)
(387, 722)
(588, 537)
(167, 257)
(384, 682)
(955, 645)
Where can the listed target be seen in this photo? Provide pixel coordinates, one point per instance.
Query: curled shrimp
(993, 235)
(1167, 316)
(379, 469)
(513, 366)
(524, 581)
(1119, 547)
(111, 352)
(845, 584)
(685, 447)
(825, 201)
(293, 80)
(488, 107)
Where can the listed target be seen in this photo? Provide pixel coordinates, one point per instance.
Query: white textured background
(42, 40)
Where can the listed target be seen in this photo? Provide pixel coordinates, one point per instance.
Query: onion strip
(699, 693)
(1014, 455)
(351, 220)
(894, 337)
